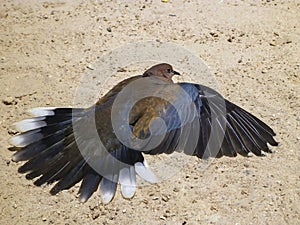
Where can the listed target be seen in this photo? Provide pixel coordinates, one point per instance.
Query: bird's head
(163, 70)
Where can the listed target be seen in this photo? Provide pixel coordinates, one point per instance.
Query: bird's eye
(168, 70)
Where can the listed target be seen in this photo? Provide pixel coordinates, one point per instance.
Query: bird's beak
(176, 73)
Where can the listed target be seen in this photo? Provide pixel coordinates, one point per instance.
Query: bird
(103, 146)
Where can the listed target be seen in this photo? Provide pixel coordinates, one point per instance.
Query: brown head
(163, 70)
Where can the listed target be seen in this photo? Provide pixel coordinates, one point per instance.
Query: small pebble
(264, 71)
(121, 70)
(95, 216)
(165, 198)
(175, 189)
(90, 67)
(213, 34)
(213, 208)
(12, 132)
(163, 218)
(246, 164)
(9, 101)
(244, 192)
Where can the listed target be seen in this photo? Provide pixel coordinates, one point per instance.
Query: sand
(250, 47)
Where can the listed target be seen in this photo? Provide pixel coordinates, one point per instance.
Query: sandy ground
(252, 48)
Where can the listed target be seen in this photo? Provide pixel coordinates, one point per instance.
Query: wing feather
(223, 127)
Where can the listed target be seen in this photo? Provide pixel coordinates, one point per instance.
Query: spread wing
(207, 125)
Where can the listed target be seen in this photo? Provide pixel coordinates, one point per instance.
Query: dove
(104, 145)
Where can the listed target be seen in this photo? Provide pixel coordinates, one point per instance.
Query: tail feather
(89, 185)
(48, 144)
(31, 124)
(108, 188)
(39, 146)
(24, 139)
(51, 111)
(71, 178)
(60, 165)
(127, 181)
(38, 160)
